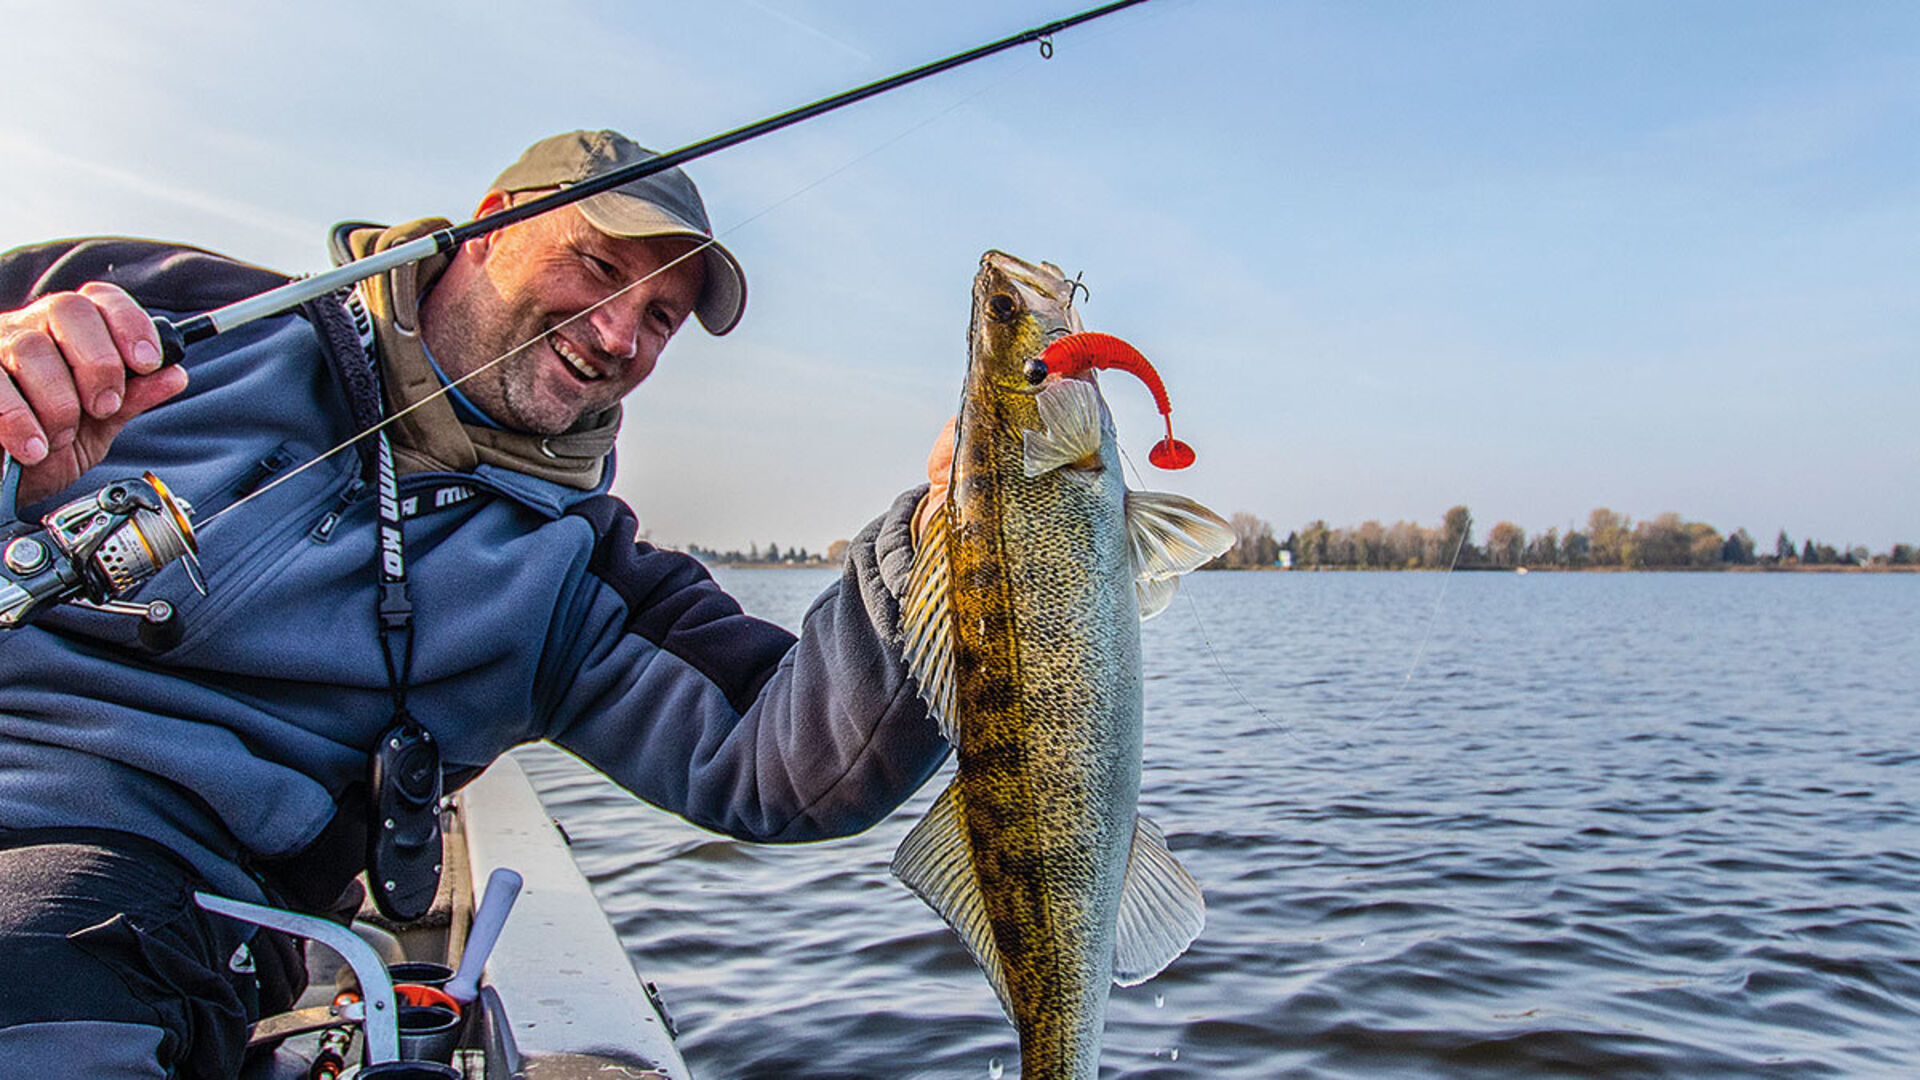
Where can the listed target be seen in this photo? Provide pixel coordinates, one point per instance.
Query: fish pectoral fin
(1172, 534)
(1070, 417)
(1161, 910)
(927, 628)
(936, 862)
(1155, 594)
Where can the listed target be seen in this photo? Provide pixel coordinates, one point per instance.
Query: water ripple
(1616, 825)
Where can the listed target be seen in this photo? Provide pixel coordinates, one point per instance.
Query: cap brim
(724, 297)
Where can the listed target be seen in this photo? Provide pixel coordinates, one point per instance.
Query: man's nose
(616, 324)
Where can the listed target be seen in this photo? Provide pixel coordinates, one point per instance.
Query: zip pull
(323, 530)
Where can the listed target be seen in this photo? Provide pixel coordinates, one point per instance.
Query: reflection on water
(1614, 825)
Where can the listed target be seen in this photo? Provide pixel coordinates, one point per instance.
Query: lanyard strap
(395, 608)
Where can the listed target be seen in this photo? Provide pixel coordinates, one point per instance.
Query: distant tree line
(1611, 539)
(772, 554)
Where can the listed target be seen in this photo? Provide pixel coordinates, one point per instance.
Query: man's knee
(114, 948)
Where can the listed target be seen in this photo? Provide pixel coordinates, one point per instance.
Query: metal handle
(503, 887)
(376, 989)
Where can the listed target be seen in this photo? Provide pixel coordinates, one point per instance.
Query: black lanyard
(395, 608)
(403, 835)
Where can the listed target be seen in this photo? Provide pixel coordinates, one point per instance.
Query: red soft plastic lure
(1076, 353)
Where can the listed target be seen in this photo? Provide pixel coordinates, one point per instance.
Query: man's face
(525, 285)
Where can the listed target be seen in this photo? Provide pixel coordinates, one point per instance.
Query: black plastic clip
(396, 611)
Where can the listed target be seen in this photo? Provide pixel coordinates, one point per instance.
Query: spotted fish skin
(1023, 623)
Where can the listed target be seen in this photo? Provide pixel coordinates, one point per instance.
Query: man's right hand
(74, 368)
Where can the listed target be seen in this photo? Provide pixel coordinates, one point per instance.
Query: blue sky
(1531, 257)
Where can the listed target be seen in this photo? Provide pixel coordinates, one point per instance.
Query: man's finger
(79, 328)
(43, 382)
(146, 391)
(131, 326)
(143, 393)
(939, 478)
(940, 459)
(19, 432)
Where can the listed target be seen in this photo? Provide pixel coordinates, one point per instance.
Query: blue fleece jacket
(537, 616)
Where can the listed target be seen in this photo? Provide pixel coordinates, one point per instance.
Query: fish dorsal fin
(1161, 910)
(936, 862)
(1172, 534)
(1154, 594)
(927, 627)
(1070, 418)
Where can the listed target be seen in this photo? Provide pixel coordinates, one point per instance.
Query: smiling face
(524, 286)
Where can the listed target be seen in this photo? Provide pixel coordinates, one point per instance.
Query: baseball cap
(664, 204)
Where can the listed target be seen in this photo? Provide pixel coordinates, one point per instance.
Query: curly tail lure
(1077, 353)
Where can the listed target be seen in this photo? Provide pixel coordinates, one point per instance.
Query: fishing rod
(98, 549)
(174, 338)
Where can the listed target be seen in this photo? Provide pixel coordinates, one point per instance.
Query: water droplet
(1159, 1001)
(994, 1069)
(1173, 1054)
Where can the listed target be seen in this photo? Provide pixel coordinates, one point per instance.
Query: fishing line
(728, 232)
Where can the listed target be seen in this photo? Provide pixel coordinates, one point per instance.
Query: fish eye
(1036, 371)
(1000, 307)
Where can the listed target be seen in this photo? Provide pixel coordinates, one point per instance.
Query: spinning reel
(94, 551)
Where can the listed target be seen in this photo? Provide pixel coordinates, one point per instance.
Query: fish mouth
(1019, 308)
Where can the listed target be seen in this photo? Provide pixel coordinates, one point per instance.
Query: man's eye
(602, 267)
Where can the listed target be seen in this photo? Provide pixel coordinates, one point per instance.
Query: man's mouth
(581, 367)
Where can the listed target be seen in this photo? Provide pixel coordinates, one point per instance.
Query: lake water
(1611, 825)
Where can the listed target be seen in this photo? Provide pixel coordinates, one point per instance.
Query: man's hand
(74, 368)
(939, 474)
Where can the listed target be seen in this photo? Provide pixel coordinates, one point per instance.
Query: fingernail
(106, 404)
(34, 451)
(145, 356)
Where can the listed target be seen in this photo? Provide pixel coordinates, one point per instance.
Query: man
(238, 759)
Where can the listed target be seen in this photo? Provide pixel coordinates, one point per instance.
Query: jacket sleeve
(162, 276)
(731, 722)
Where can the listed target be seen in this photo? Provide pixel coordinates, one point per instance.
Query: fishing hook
(1046, 47)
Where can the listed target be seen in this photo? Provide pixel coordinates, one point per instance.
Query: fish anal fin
(1161, 910)
(1070, 419)
(1172, 534)
(936, 862)
(927, 626)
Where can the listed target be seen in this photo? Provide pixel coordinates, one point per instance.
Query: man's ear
(492, 203)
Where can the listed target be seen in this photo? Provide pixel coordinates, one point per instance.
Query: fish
(1022, 627)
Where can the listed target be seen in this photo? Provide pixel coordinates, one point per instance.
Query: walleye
(1022, 623)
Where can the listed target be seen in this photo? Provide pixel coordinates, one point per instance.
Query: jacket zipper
(323, 530)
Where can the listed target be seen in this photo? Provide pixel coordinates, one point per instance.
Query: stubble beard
(466, 337)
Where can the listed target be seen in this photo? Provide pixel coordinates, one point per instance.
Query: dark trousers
(108, 968)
